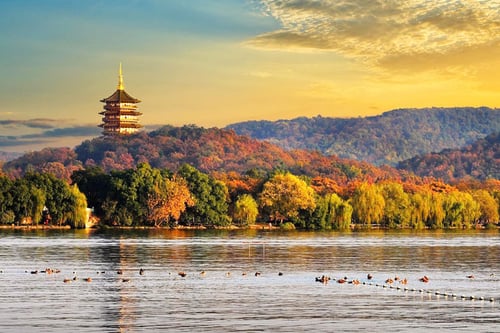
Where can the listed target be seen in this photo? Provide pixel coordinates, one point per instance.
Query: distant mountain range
(389, 138)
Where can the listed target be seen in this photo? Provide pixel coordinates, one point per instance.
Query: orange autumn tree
(167, 200)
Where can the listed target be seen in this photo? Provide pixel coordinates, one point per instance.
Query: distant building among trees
(120, 115)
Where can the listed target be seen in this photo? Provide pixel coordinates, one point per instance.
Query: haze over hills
(385, 139)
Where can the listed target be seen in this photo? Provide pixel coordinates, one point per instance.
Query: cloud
(67, 132)
(48, 136)
(11, 141)
(40, 123)
(380, 31)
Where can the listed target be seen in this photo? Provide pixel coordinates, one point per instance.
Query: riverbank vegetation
(187, 197)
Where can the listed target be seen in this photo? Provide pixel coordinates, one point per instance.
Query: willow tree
(77, 215)
(368, 204)
(397, 202)
(245, 210)
(331, 213)
(462, 211)
(284, 195)
(488, 206)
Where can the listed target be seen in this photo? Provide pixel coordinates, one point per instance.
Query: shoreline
(257, 226)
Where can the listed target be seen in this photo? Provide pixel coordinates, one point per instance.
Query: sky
(212, 63)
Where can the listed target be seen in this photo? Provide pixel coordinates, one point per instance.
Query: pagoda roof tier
(121, 125)
(120, 96)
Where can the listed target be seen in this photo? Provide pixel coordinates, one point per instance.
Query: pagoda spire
(120, 115)
(120, 79)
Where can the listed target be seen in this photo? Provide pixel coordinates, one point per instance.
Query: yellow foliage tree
(168, 200)
(284, 195)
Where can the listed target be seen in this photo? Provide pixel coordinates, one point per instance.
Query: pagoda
(120, 115)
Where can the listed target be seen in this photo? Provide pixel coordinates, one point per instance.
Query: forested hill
(480, 160)
(386, 139)
(209, 150)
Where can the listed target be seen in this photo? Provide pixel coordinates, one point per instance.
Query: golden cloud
(387, 33)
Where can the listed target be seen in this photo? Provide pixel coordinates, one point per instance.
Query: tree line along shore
(144, 196)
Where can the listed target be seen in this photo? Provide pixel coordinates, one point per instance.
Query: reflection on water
(230, 297)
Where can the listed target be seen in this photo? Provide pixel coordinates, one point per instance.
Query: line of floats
(389, 284)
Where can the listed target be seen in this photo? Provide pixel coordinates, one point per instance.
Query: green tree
(437, 214)
(27, 201)
(7, 216)
(462, 211)
(331, 213)
(58, 198)
(396, 208)
(77, 216)
(420, 210)
(368, 205)
(285, 195)
(96, 185)
(245, 210)
(210, 196)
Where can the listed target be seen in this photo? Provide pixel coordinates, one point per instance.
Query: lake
(248, 281)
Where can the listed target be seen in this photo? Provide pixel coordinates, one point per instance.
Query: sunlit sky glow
(216, 62)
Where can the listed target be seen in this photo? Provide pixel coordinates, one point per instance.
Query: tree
(27, 201)
(396, 208)
(436, 214)
(6, 213)
(245, 210)
(77, 216)
(210, 196)
(462, 211)
(331, 213)
(58, 197)
(284, 195)
(420, 210)
(96, 185)
(167, 200)
(368, 204)
(488, 205)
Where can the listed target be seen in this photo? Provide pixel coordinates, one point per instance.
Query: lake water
(229, 297)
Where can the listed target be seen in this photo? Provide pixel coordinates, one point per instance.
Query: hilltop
(210, 150)
(389, 138)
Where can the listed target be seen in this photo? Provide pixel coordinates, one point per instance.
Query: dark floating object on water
(369, 276)
(119, 272)
(323, 279)
(257, 273)
(280, 273)
(183, 274)
(125, 280)
(141, 271)
(424, 279)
